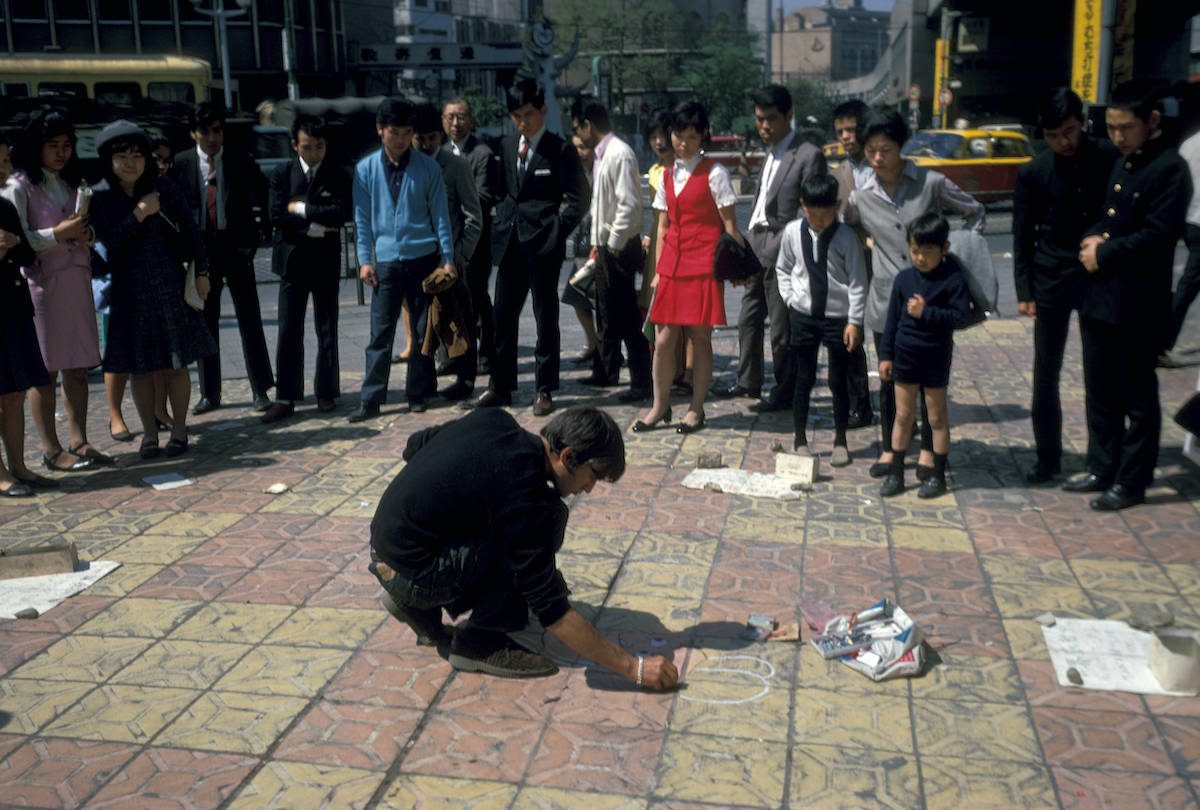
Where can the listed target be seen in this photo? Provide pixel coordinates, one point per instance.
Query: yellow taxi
(983, 162)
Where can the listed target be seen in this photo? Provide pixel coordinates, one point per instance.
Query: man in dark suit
(224, 187)
(310, 201)
(459, 125)
(1056, 199)
(462, 201)
(1126, 309)
(788, 164)
(543, 199)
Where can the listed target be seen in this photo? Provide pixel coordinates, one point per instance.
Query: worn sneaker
(427, 624)
(475, 650)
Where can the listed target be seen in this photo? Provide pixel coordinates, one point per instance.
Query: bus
(124, 81)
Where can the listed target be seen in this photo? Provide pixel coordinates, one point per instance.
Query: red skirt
(690, 301)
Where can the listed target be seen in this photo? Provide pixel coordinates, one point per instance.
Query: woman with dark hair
(897, 193)
(60, 283)
(698, 200)
(145, 231)
(21, 366)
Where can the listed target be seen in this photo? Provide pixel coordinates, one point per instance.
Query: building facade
(835, 41)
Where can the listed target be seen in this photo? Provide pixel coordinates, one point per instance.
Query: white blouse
(59, 193)
(718, 183)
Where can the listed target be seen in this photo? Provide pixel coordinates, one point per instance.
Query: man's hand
(366, 274)
(1087, 252)
(452, 270)
(851, 337)
(203, 287)
(916, 305)
(1027, 308)
(294, 207)
(885, 370)
(658, 672)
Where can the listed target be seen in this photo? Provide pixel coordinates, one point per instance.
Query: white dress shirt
(59, 193)
(718, 182)
(759, 216)
(203, 162)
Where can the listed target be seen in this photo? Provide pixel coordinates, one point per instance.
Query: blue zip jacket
(417, 225)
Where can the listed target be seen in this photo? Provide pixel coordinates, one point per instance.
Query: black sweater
(15, 304)
(947, 305)
(479, 482)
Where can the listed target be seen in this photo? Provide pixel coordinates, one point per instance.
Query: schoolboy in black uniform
(1126, 309)
(1056, 199)
(929, 300)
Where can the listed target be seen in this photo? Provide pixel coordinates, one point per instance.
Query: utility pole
(219, 13)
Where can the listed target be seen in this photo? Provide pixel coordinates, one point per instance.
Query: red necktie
(523, 155)
(210, 195)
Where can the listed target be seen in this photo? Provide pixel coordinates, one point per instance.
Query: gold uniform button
(1112, 212)
(1105, 234)
(1136, 194)
(1117, 187)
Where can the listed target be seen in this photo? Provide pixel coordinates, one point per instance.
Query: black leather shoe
(280, 410)
(261, 403)
(1086, 483)
(600, 381)
(635, 395)
(493, 399)
(1116, 498)
(456, 391)
(16, 490)
(860, 420)
(736, 390)
(1037, 474)
(364, 411)
(205, 405)
(417, 406)
(543, 404)
(880, 469)
(892, 485)
(685, 428)
(932, 487)
(924, 472)
(770, 405)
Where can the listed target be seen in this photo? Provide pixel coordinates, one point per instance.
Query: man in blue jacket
(404, 234)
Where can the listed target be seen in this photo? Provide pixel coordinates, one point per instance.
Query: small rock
(1046, 620)
(776, 446)
(1074, 677)
(713, 486)
(276, 489)
(709, 460)
(1150, 617)
(27, 613)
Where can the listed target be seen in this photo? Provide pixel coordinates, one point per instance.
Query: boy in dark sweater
(928, 301)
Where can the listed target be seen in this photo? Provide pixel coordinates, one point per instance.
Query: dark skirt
(930, 369)
(21, 365)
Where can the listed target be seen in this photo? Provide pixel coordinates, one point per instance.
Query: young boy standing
(822, 277)
(928, 301)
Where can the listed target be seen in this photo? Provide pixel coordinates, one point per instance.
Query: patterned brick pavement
(238, 657)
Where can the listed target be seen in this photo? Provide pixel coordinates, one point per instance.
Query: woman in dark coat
(145, 232)
(21, 366)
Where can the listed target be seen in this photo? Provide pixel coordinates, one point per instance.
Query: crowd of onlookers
(827, 254)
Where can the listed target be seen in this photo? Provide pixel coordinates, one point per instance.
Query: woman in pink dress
(60, 284)
(698, 200)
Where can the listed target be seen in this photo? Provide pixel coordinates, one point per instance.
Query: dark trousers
(230, 267)
(399, 283)
(1049, 342)
(460, 579)
(295, 288)
(857, 387)
(617, 317)
(1121, 388)
(761, 301)
(887, 411)
(1188, 287)
(525, 275)
(478, 273)
(808, 335)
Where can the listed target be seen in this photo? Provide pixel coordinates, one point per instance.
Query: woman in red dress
(698, 200)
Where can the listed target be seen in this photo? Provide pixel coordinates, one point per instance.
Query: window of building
(172, 91)
(124, 94)
(28, 9)
(74, 89)
(114, 10)
(14, 89)
(65, 10)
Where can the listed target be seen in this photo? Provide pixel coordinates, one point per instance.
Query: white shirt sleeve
(39, 239)
(660, 194)
(721, 186)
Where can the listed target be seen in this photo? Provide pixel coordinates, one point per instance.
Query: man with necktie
(310, 201)
(542, 201)
(788, 164)
(224, 187)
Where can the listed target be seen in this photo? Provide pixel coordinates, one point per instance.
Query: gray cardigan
(886, 220)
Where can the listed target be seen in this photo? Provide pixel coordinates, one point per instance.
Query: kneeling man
(473, 522)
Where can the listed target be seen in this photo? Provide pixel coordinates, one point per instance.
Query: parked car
(983, 162)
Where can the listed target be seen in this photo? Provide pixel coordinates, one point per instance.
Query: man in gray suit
(459, 125)
(788, 164)
(466, 225)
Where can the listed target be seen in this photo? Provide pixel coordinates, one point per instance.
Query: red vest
(695, 224)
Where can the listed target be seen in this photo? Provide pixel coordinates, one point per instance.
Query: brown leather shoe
(278, 411)
(542, 404)
(493, 399)
(326, 405)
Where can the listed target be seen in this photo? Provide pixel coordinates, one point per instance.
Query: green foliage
(809, 99)
(722, 74)
(489, 111)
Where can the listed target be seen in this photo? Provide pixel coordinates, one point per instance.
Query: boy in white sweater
(822, 277)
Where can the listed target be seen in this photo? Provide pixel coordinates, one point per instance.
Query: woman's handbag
(975, 257)
(733, 262)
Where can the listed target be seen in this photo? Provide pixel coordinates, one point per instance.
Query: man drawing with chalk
(473, 522)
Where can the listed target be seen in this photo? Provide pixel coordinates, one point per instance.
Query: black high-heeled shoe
(684, 428)
(642, 427)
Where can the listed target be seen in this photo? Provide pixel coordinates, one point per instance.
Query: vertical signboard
(1085, 49)
(939, 75)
